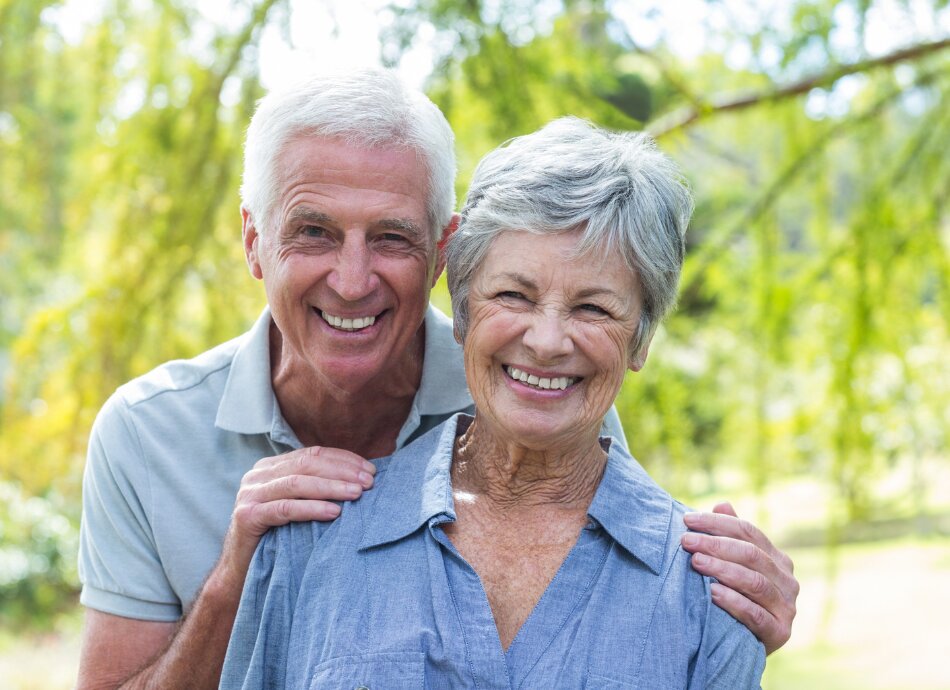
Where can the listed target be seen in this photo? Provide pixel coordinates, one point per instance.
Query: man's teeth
(556, 382)
(348, 324)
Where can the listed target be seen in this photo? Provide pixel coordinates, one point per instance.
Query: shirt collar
(417, 487)
(633, 509)
(442, 363)
(628, 504)
(248, 404)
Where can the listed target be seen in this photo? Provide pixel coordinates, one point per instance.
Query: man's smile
(348, 323)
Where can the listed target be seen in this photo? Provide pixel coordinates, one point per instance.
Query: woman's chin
(541, 430)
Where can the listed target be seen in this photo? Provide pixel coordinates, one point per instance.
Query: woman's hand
(756, 584)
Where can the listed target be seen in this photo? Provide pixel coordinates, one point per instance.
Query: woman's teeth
(556, 382)
(348, 324)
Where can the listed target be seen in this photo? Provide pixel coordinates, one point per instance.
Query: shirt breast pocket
(382, 671)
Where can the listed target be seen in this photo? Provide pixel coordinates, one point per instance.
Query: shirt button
(361, 687)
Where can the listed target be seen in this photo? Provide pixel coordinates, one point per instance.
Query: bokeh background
(805, 376)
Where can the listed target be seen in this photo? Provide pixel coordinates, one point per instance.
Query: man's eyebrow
(406, 225)
(309, 215)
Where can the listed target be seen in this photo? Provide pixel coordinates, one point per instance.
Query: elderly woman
(516, 548)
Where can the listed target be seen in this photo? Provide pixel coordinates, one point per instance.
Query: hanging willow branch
(715, 246)
(678, 119)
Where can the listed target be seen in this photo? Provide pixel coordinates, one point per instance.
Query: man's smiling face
(348, 261)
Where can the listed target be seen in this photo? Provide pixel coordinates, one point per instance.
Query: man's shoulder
(180, 375)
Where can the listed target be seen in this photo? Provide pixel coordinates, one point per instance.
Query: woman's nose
(353, 277)
(547, 337)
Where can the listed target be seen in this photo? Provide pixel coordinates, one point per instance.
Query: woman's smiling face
(549, 337)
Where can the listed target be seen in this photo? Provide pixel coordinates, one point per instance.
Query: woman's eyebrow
(584, 293)
(518, 278)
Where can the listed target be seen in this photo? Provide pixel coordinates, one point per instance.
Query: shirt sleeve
(731, 657)
(258, 651)
(119, 565)
(613, 427)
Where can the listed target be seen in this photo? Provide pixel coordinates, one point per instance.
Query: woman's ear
(639, 358)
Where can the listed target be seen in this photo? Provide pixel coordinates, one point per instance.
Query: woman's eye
(510, 294)
(594, 309)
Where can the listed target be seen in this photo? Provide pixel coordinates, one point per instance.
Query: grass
(871, 617)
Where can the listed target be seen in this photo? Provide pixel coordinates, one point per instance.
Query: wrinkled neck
(509, 475)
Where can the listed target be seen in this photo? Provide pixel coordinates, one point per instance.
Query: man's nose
(353, 277)
(548, 336)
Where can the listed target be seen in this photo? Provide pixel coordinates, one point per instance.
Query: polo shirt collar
(442, 390)
(633, 509)
(630, 506)
(442, 362)
(248, 404)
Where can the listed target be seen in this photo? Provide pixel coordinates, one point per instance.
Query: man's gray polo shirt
(169, 449)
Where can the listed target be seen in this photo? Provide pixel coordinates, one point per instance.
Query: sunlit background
(805, 375)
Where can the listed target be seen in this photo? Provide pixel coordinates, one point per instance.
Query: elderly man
(347, 199)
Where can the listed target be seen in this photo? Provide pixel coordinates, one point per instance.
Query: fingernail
(690, 518)
(690, 540)
(366, 479)
(353, 490)
(369, 467)
(700, 559)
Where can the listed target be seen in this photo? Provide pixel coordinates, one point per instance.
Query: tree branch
(681, 118)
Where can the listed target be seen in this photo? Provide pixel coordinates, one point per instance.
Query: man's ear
(251, 236)
(440, 246)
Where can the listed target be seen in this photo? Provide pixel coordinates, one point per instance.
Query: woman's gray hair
(617, 188)
(371, 109)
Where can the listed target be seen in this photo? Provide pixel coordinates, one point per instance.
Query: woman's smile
(550, 335)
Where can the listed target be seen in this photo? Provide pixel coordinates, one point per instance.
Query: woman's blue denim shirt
(381, 599)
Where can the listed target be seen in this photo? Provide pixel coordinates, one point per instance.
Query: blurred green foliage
(812, 333)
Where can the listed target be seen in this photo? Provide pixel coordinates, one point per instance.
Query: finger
(770, 631)
(737, 551)
(301, 487)
(318, 461)
(725, 508)
(751, 584)
(730, 526)
(276, 513)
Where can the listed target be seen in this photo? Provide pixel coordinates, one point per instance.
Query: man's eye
(510, 294)
(314, 231)
(392, 237)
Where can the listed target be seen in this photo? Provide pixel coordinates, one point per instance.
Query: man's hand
(294, 487)
(756, 582)
(297, 486)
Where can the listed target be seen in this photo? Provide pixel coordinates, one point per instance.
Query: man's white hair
(369, 109)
